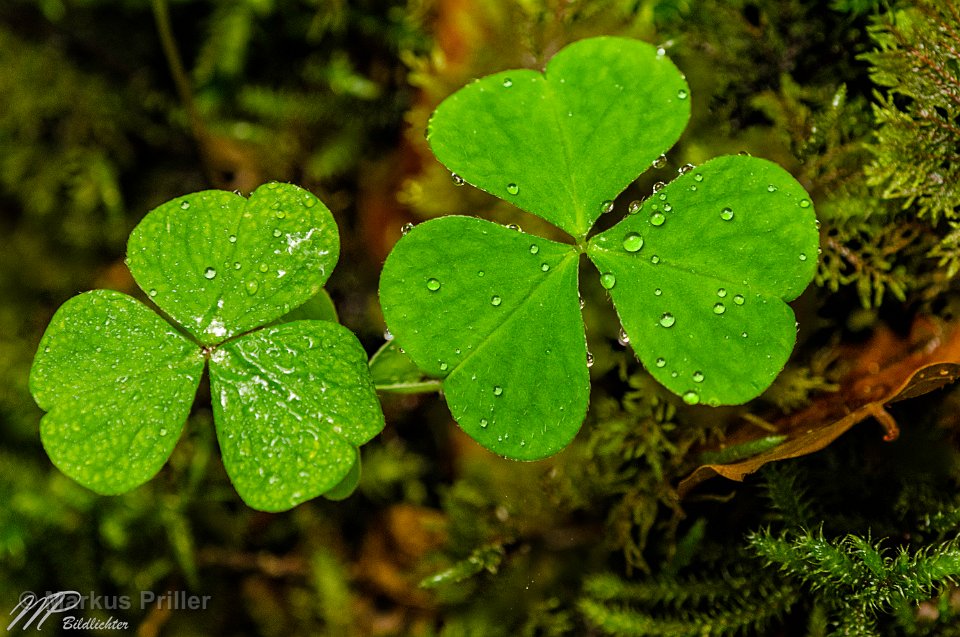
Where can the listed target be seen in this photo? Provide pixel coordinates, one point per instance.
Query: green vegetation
(440, 537)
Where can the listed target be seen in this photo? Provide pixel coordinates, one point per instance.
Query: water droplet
(497, 390)
(534, 249)
(744, 153)
(634, 207)
(804, 203)
(660, 161)
(405, 228)
(457, 179)
(803, 257)
(495, 300)
(484, 423)
(719, 308)
(387, 335)
(667, 319)
(513, 188)
(738, 299)
(309, 202)
(698, 177)
(654, 259)
(232, 238)
(632, 242)
(512, 226)
(722, 292)
(433, 285)
(606, 206)
(237, 265)
(277, 232)
(691, 397)
(693, 187)
(662, 196)
(480, 273)
(280, 214)
(608, 280)
(657, 292)
(210, 273)
(661, 362)
(252, 287)
(698, 376)
(443, 367)
(681, 94)
(582, 302)
(743, 334)
(263, 267)
(667, 207)
(589, 359)
(545, 267)
(622, 337)
(184, 205)
(162, 432)
(152, 293)
(507, 82)
(683, 170)
(657, 219)
(771, 188)
(726, 214)
(657, 187)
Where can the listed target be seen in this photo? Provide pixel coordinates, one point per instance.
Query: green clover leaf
(699, 275)
(292, 402)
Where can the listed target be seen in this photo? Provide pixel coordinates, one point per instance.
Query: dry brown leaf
(886, 369)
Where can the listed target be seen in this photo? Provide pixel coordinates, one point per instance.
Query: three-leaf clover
(700, 273)
(291, 402)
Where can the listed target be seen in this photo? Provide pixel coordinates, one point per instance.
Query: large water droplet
(512, 226)
(657, 219)
(722, 292)
(263, 267)
(495, 300)
(210, 273)
(698, 376)
(719, 308)
(387, 335)
(152, 293)
(660, 161)
(457, 179)
(622, 337)
(309, 202)
(608, 280)
(726, 214)
(657, 187)
(667, 319)
(513, 188)
(606, 206)
(804, 203)
(632, 242)
(252, 287)
(691, 397)
(683, 170)
(634, 206)
(738, 299)
(433, 285)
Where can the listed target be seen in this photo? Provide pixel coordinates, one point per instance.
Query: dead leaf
(884, 370)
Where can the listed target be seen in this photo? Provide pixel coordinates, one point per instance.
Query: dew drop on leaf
(634, 207)
(606, 206)
(152, 293)
(589, 359)
(738, 299)
(513, 188)
(632, 242)
(726, 214)
(698, 376)
(497, 390)
(495, 300)
(608, 280)
(803, 257)
(654, 259)
(184, 205)
(236, 265)
(667, 319)
(513, 226)
(691, 397)
(387, 335)
(232, 238)
(683, 170)
(443, 367)
(534, 249)
(264, 267)
(545, 267)
(743, 334)
(507, 82)
(657, 292)
(804, 203)
(719, 308)
(657, 219)
(698, 177)
(667, 207)
(771, 188)
(433, 285)
(276, 232)
(659, 162)
(405, 228)
(661, 362)
(657, 187)
(281, 214)
(582, 302)
(722, 292)
(622, 337)
(309, 202)
(484, 423)
(252, 287)
(210, 273)
(457, 179)
(681, 94)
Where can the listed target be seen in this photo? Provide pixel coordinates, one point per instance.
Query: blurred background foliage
(110, 107)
